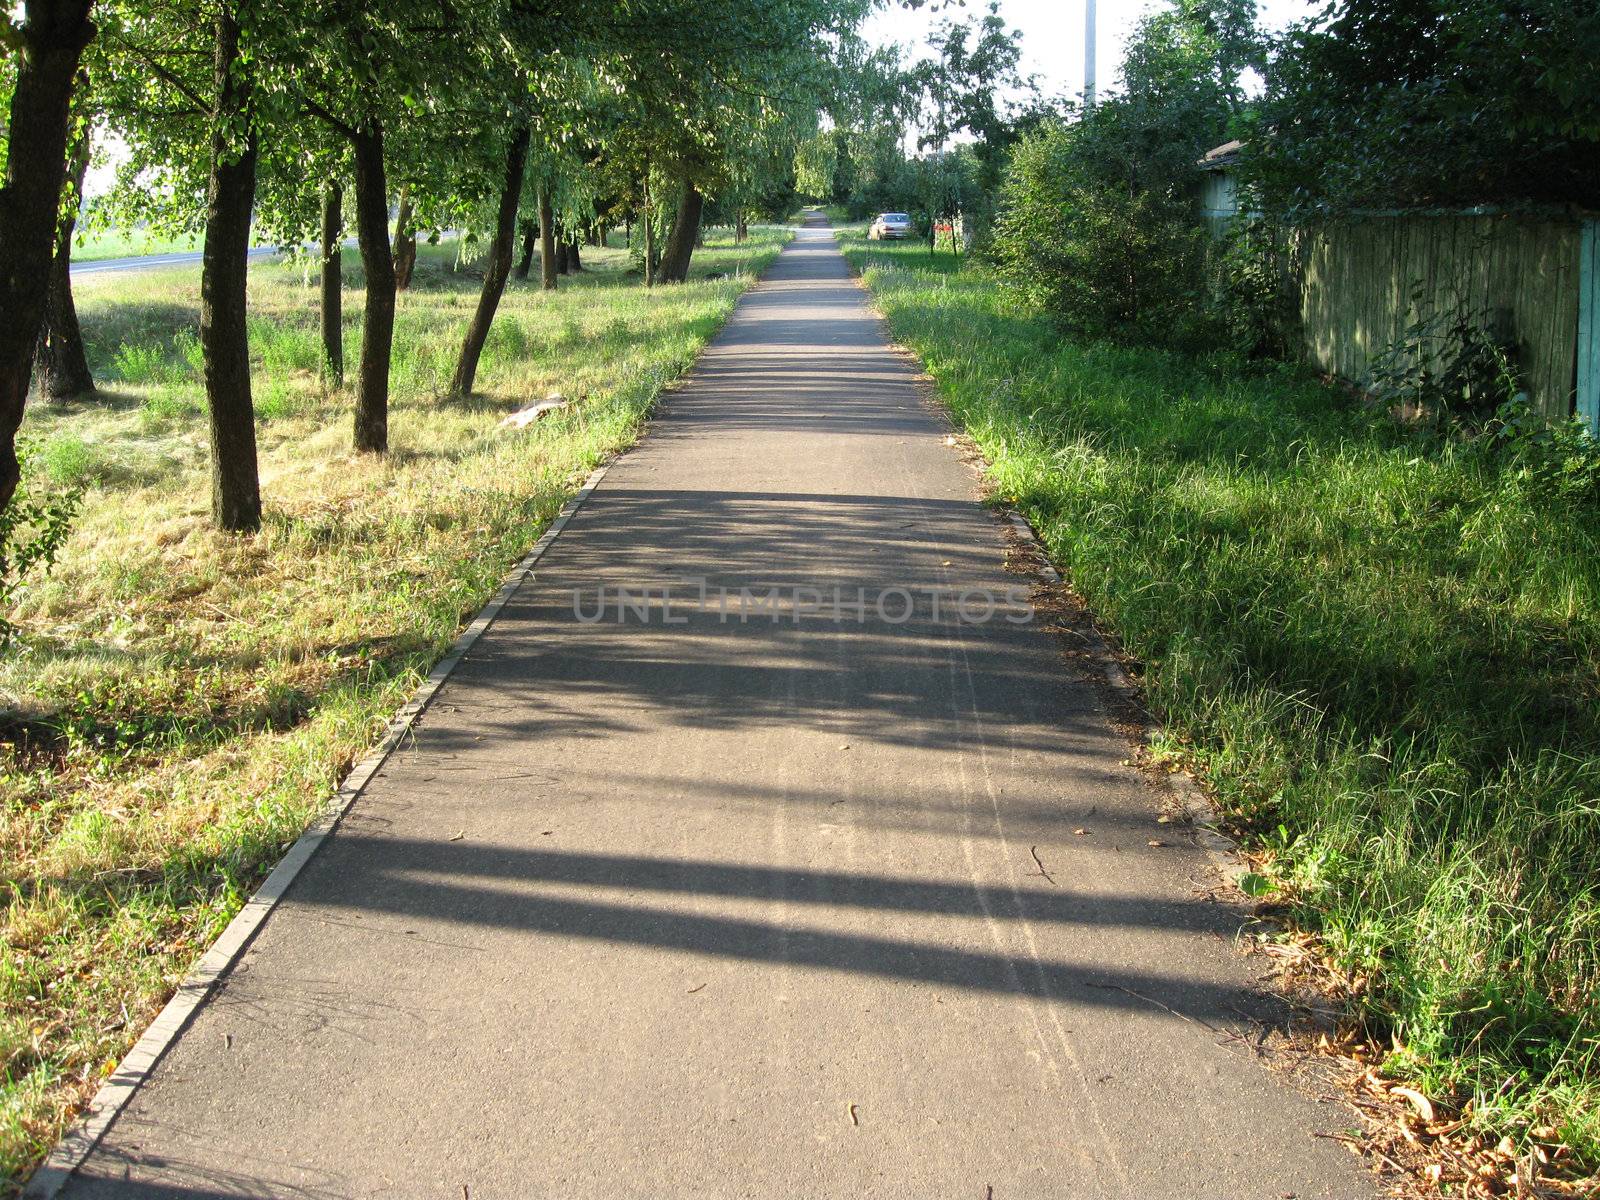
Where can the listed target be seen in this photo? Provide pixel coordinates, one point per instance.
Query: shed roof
(1220, 157)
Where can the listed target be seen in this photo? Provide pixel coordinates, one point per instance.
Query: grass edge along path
(204, 707)
(1378, 648)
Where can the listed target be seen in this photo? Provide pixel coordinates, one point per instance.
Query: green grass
(1381, 649)
(129, 243)
(182, 701)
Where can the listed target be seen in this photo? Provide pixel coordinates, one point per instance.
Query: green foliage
(32, 530)
(1386, 104)
(947, 185)
(1101, 259)
(1253, 294)
(964, 89)
(1551, 463)
(816, 161)
(1448, 367)
(1381, 647)
(1098, 220)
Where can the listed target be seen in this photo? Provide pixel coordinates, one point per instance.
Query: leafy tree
(1399, 103)
(963, 88)
(698, 82)
(872, 102)
(406, 71)
(816, 164)
(61, 367)
(1098, 221)
(37, 78)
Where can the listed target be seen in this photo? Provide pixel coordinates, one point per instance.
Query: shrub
(1449, 367)
(1253, 291)
(138, 363)
(31, 532)
(68, 460)
(1100, 257)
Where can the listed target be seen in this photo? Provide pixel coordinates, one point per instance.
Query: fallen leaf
(1419, 1102)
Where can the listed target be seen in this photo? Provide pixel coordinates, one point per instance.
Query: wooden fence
(1363, 282)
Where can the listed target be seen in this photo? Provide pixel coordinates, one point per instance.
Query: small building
(1219, 190)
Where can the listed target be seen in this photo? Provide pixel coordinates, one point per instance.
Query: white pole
(1088, 54)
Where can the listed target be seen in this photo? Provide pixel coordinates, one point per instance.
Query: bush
(67, 460)
(1100, 225)
(1253, 291)
(1449, 367)
(31, 532)
(1103, 259)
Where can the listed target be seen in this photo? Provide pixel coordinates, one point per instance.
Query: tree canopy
(1380, 104)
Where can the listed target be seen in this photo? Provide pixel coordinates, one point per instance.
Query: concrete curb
(1222, 850)
(135, 1068)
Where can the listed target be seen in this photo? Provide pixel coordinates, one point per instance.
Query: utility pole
(1088, 53)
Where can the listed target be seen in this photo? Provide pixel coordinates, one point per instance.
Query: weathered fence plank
(1588, 370)
(1366, 280)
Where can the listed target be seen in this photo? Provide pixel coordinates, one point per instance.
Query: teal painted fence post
(1589, 327)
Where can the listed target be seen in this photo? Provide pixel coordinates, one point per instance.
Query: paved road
(727, 908)
(144, 262)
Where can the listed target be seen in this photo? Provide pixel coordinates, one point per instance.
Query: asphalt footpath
(763, 847)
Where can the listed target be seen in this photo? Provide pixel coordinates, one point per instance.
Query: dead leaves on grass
(1432, 1146)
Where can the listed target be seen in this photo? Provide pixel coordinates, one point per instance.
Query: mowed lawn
(181, 702)
(1379, 646)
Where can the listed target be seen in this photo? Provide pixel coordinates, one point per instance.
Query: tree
(331, 259)
(224, 329)
(49, 42)
(192, 99)
(964, 87)
(704, 80)
(1402, 103)
(498, 268)
(1098, 221)
(60, 364)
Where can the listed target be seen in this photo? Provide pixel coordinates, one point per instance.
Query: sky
(1052, 33)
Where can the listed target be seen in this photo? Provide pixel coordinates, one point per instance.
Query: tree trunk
(405, 242)
(333, 284)
(377, 323)
(563, 256)
(574, 259)
(224, 336)
(529, 237)
(52, 36)
(741, 230)
(498, 267)
(60, 364)
(680, 243)
(547, 241)
(649, 244)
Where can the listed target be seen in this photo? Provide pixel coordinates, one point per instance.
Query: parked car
(890, 226)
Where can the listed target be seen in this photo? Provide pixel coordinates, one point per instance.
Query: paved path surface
(721, 909)
(146, 262)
